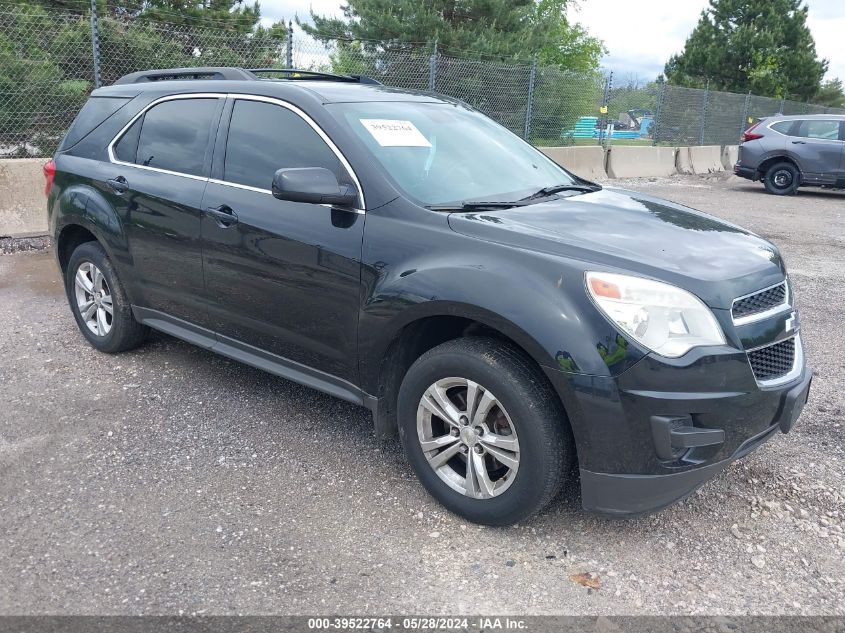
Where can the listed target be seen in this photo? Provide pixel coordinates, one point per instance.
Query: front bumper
(630, 495)
(617, 424)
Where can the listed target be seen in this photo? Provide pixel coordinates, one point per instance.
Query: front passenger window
(264, 137)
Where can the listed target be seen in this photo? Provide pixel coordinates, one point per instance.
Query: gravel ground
(170, 480)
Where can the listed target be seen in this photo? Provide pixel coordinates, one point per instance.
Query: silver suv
(786, 152)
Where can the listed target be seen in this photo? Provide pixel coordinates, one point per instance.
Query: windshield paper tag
(393, 133)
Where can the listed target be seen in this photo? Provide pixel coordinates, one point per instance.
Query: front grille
(773, 361)
(759, 301)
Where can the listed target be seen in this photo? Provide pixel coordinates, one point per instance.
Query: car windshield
(438, 153)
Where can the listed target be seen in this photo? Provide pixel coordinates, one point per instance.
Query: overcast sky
(639, 36)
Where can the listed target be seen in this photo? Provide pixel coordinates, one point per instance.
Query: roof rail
(202, 72)
(314, 74)
(235, 74)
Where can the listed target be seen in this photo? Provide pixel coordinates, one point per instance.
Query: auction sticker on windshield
(394, 133)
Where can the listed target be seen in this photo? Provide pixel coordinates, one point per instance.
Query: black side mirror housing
(316, 185)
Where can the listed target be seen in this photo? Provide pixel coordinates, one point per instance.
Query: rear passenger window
(264, 138)
(819, 128)
(172, 135)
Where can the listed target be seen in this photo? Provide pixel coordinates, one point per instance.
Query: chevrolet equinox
(518, 326)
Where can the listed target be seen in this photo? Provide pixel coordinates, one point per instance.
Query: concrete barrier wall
(730, 155)
(587, 162)
(23, 207)
(705, 159)
(699, 159)
(682, 161)
(632, 161)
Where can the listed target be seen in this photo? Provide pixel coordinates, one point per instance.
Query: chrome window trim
(328, 141)
(792, 374)
(247, 97)
(237, 185)
(760, 316)
(119, 135)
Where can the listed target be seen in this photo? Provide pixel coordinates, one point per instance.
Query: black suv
(401, 251)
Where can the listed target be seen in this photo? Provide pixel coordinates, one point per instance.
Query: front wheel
(782, 179)
(483, 431)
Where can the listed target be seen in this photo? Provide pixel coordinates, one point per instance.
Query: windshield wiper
(474, 205)
(553, 189)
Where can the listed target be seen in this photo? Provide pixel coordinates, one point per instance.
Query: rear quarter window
(93, 113)
(784, 127)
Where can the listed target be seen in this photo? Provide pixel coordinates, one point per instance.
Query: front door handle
(799, 142)
(118, 185)
(224, 215)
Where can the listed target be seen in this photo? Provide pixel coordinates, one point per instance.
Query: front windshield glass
(441, 153)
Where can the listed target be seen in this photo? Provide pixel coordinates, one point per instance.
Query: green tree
(393, 42)
(831, 94)
(46, 65)
(234, 15)
(503, 29)
(763, 46)
(567, 45)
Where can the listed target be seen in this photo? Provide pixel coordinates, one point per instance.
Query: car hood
(639, 234)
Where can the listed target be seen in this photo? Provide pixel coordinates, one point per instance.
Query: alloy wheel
(93, 299)
(468, 438)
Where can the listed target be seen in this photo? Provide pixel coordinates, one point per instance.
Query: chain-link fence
(49, 63)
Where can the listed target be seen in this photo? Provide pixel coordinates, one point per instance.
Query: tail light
(750, 135)
(49, 174)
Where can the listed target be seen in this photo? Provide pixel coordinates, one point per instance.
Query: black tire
(125, 332)
(782, 179)
(546, 448)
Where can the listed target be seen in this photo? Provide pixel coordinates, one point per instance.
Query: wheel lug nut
(454, 432)
(479, 430)
(479, 449)
(464, 420)
(464, 449)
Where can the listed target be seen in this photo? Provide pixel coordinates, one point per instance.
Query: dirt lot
(169, 480)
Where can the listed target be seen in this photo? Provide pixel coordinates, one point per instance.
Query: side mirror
(316, 185)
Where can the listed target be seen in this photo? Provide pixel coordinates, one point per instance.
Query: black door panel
(285, 278)
(281, 276)
(163, 216)
(160, 174)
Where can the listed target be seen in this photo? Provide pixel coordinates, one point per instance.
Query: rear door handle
(799, 142)
(224, 215)
(118, 185)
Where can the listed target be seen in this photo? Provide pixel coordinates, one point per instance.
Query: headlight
(659, 316)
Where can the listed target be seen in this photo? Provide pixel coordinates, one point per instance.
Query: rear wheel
(99, 303)
(782, 179)
(483, 431)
